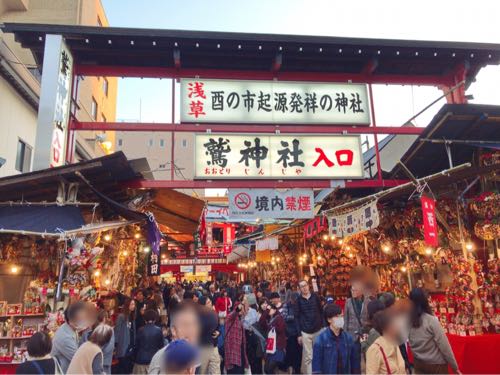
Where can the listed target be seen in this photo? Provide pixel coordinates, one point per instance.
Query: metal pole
(60, 278)
(172, 143)
(375, 137)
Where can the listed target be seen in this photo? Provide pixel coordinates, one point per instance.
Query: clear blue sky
(457, 20)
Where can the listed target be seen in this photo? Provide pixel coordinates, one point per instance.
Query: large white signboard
(219, 156)
(252, 204)
(268, 102)
(54, 106)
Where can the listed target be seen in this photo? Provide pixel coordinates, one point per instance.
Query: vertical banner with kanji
(429, 219)
(153, 263)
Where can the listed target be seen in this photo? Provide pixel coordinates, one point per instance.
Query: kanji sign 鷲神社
(252, 204)
(220, 156)
(268, 102)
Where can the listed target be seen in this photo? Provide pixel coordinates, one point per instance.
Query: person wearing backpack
(39, 361)
(309, 321)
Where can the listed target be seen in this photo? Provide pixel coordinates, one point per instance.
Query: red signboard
(430, 223)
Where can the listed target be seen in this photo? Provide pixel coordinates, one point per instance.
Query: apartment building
(20, 84)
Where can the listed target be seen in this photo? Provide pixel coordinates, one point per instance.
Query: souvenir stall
(433, 236)
(55, 249)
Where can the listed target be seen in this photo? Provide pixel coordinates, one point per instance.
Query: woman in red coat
(223, 304)
(269, 320)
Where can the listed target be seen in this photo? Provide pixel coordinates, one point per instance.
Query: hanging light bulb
(319, 257)
(137, 235)
(97, 273)
(325, 237)
(14, 269)
(146, 249)
(107, 282)
(428, 251)
(403, 268)
(341, 241)
(125, 253)
(348, 248)
(107, 237)
(469, 246)
(350, 255)
(332, 237)
(386, 248)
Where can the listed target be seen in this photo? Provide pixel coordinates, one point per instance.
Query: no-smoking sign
(242, 201)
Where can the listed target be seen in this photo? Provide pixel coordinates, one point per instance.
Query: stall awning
(177, 214)
(40, 219)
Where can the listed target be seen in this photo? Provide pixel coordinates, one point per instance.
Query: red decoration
(429, 219)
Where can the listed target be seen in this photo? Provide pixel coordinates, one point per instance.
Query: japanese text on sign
(429, 219)
(232, 101)
(252, 204)
(277, 156)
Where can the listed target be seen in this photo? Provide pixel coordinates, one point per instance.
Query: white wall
(17, 120)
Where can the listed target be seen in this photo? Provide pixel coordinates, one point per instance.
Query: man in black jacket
(149, 341)
(309, 322)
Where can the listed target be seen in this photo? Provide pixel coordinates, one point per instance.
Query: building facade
(20, 84)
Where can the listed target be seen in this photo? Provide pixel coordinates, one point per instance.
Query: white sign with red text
(219, 156)
(273, 102)
(252, 204)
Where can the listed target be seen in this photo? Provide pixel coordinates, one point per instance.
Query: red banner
(315, 226)
(430, 223)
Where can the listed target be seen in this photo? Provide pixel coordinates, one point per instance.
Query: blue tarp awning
(40, 219)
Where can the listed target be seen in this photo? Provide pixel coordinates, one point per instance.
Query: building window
(184, 143)
(93, 109)
(105, 86)
(23, 157)
(162, 143)
(103, 118)
(120, 142)
(150, 143)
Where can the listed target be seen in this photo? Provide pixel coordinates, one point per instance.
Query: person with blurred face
(384, 356)
(210, 359)
(184, 324)
(308, 317)
(335, 351)
(356, 311)
(66, 340)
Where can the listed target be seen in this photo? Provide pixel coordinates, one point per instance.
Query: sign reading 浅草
(252, 204)
(231, 101)
(219, 156)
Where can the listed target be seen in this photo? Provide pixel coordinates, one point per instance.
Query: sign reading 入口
(268, 102)
(221, 156)
(250, 204)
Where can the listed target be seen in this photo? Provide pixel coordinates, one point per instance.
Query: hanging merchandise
(358, 220)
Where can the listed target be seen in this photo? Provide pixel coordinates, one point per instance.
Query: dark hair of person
(331, 310)
(374, 307)
(39, 345)
(188, 294)
(381, 320)
(387, 298)
(150, 315)
(421, 306)
(125, 310)
(72, 311)
(101, 335)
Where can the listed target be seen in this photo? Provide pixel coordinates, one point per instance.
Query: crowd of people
(210, 328)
